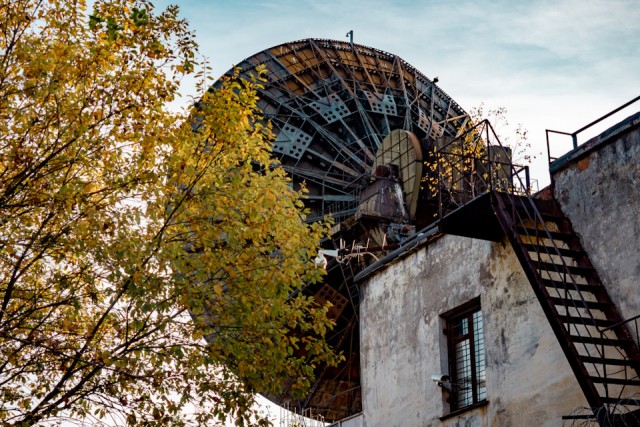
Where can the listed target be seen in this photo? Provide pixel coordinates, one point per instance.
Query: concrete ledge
(465, 409)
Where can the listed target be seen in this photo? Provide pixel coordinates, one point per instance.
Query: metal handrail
(571, 285)
(480, 178)
(532, 213)
(603, 332)
(631, 319)
(574, 135)
(469, 184)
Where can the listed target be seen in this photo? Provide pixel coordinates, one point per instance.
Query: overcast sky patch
(552, 63)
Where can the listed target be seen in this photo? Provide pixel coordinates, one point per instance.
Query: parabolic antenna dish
(341, 113)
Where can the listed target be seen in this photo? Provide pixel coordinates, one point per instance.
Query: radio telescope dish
(354, 125)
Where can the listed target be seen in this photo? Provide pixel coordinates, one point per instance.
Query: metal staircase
(598, 346)
(596, 341)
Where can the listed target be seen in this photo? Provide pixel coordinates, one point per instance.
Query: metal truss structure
(331, 105)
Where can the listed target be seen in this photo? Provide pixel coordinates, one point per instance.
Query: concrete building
(453, 334)
(459, 296)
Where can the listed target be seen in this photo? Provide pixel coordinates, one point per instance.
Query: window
(466, 356)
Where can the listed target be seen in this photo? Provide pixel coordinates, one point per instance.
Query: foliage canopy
(129, 233)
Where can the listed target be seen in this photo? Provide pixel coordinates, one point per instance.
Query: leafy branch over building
(128, 234)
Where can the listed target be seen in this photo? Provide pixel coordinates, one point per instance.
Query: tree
(128, 233)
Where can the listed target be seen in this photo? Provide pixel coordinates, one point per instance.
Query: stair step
(620, 381)
(543, 206)
(546, 205)
(547, 216)
(602, 361)
(619, 401)
(571, 286)
(599, 341)
(550, 250)
(579, 417)
(593, 305)
(559, 268)
(584, 321)
(553, 217)
(528, 233)
(543, 234)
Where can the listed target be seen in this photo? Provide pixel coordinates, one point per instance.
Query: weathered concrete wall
(529, 381)
(600, 193)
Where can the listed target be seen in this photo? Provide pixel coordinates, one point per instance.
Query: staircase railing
(574, 135)
(632, 328)
(472, 164)
(465, 170)
(569, 293)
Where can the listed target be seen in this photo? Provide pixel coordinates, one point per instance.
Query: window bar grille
(467, 346)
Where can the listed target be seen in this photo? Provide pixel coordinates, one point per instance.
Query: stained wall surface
(599, 190)
(529, 382)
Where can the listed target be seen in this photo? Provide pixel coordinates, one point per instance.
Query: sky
(553, 64)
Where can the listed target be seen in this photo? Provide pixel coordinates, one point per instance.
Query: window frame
(471, 312)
